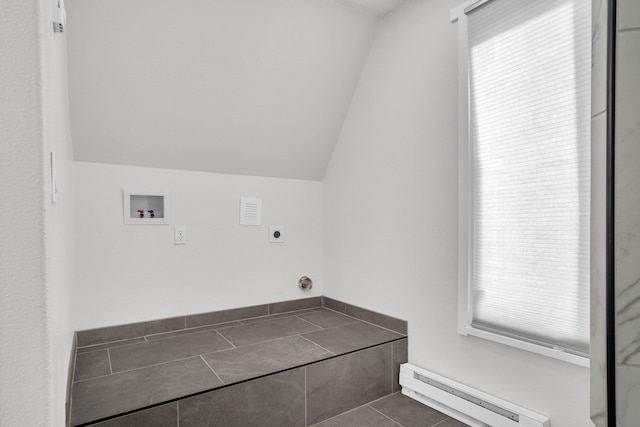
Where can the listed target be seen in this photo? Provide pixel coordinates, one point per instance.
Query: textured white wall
(25, 371)
(391, 216)
(129, 273)
(252, 87)
(60, 234)
(37, 251)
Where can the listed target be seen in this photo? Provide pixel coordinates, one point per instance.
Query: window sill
(553, 353)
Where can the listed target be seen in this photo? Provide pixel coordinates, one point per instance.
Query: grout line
(180, 333)
(383, 398)
(308, 321)
(342, 413)
(141, 367)
(440, 422)
(225, 338)
(178, 413)
(312, 324)
(363, 321)
(385, 415)
(95, 378)
(75, 363)
(381, 327)
(601, 113)
(344, 324)
(335, 311)
(90, 348)
(109, 357)
(392, 366)
(73, 380)
(316, 344)
(366, 347)
(306, 421)
(214, 372)
(270, 317)
(356, 320)
(262, 342)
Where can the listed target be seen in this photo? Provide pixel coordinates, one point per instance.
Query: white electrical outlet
(276, 234)
(180, 235)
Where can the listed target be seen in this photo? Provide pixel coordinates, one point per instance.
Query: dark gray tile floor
(139, 388)
(340, 384)
(263, 358)
(155, 352)
(142, 371)
(396, 410)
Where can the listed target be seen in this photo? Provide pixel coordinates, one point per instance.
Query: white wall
(251, 87)
(25, 368)
(35, 265)
(391, 216)
(60, 234)
(129, 273)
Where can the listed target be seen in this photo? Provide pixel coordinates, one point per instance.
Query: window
(525, 174)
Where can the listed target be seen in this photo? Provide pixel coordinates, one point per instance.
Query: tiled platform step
(293, 368)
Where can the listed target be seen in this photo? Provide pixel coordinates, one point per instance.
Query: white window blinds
(529, 129)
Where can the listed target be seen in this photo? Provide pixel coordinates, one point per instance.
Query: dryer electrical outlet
(276, 234)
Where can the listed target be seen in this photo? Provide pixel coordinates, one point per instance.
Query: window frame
(465, 223)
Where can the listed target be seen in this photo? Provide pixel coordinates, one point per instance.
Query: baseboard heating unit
(463, 403)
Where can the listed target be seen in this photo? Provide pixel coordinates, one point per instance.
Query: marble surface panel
(627, 396)
(628, 14)
(627, 199)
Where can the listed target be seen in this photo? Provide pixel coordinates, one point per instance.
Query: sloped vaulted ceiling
(253, 87)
